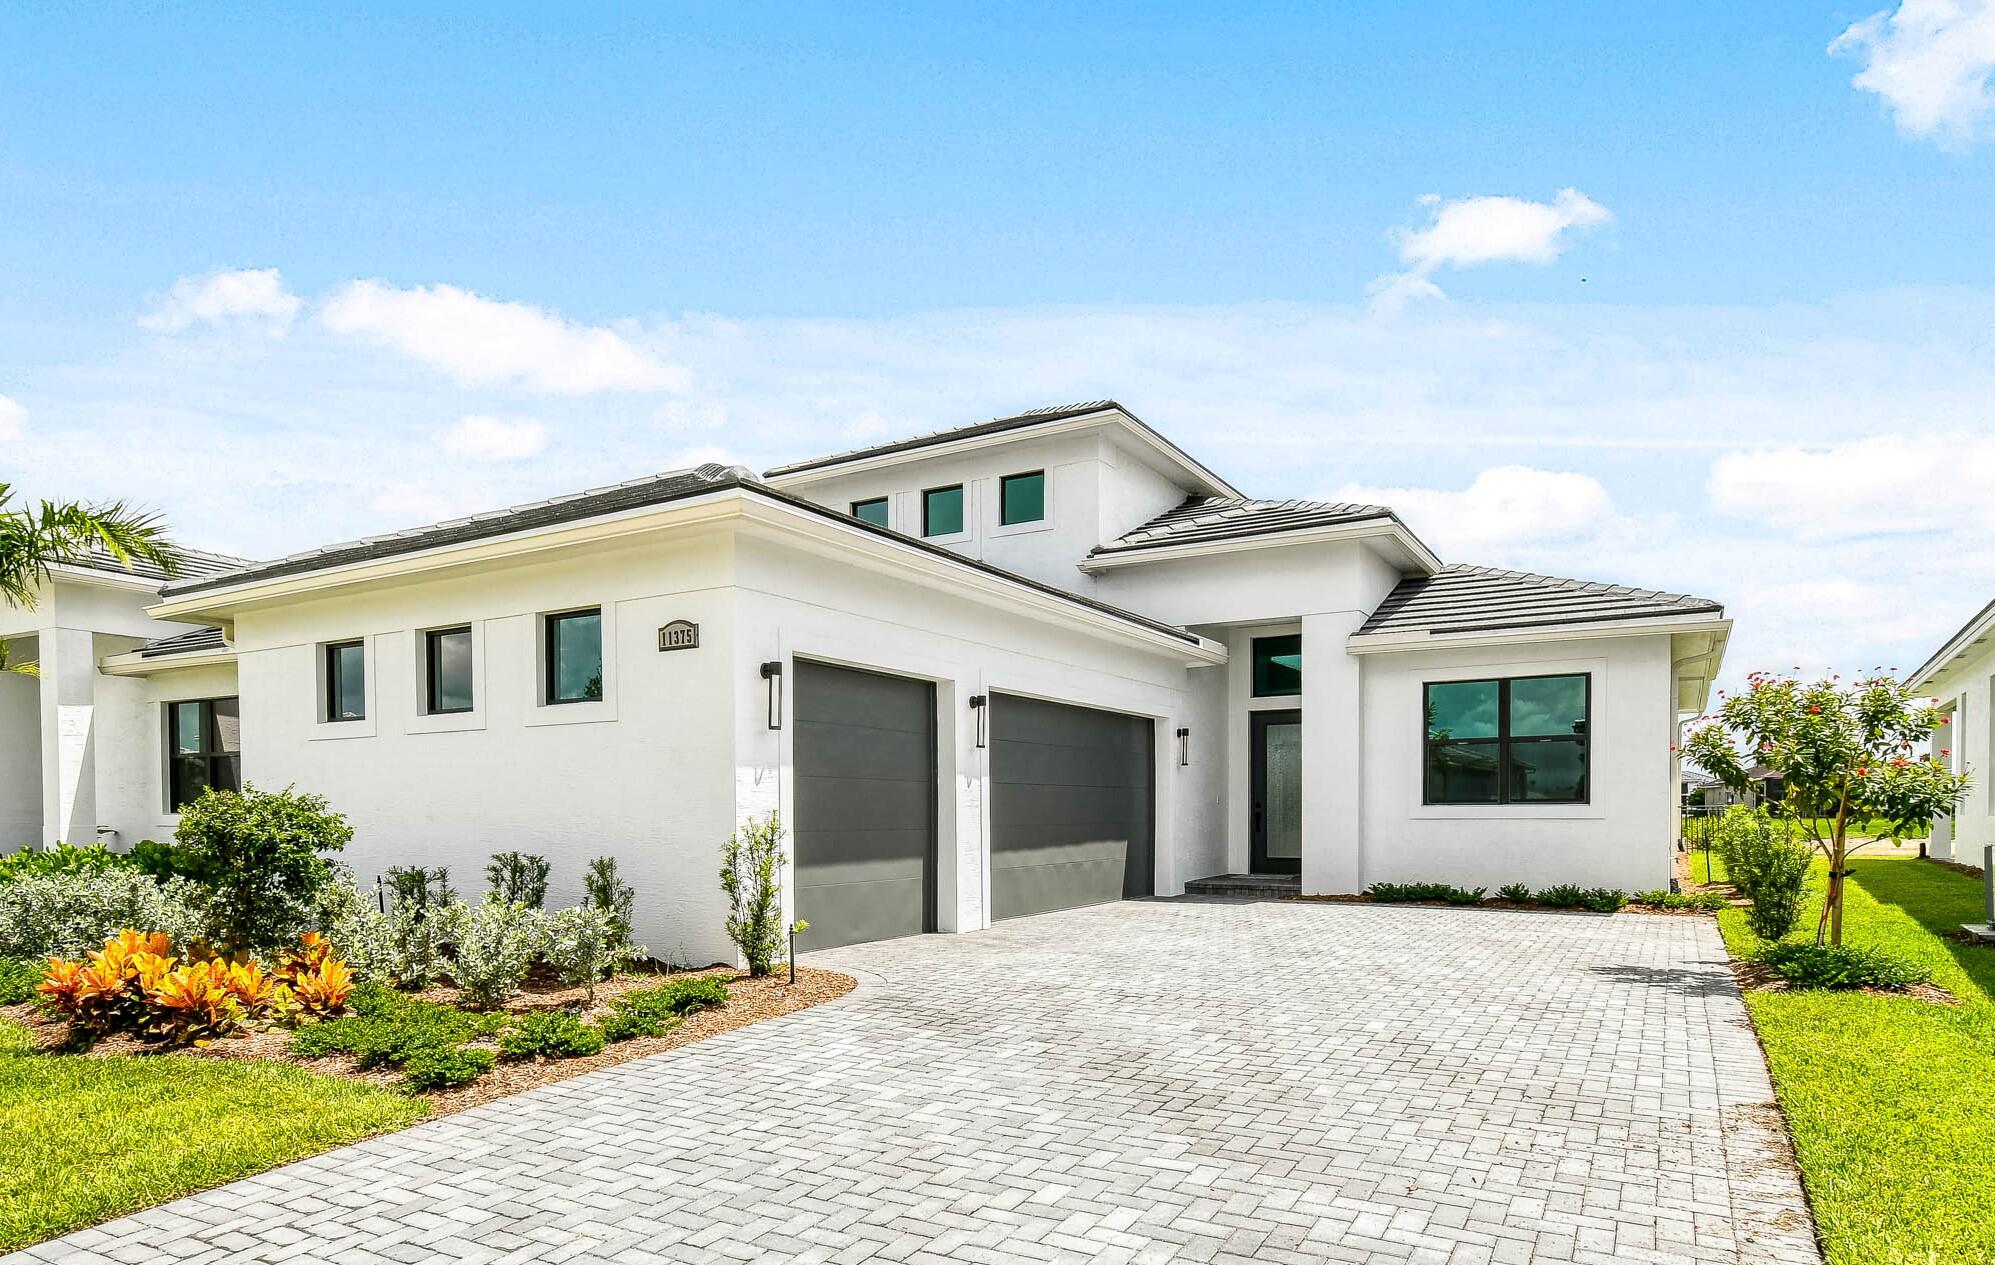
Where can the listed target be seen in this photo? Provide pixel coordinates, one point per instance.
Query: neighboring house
(1960, 675)
(1042, 661)
(1764, 785)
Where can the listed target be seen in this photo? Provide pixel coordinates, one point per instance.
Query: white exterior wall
(1969, 740)
(20, 761)
(1622, 838)
(1096, 490)
(646, 775)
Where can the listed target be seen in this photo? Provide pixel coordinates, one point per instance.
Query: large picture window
(575, 656)
(203, 749)
(1511, 740)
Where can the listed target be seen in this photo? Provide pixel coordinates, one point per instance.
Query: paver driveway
(1140, 1082)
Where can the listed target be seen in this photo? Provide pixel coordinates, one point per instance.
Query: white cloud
(1470, 231)
(482, 437)
(483, 342)
(1504, 507)
(13, 418)
(245, 296)
(1929, 61)
(1882, 485)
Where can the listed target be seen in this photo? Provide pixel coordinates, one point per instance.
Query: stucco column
(68, 665)
(1331, 755)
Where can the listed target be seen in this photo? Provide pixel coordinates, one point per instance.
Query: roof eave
(1973, 633)
(1377, 526)
(1204, 480)
(132, 663)
(1389, 643)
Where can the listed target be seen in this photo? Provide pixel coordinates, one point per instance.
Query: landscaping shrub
(387, 1028)
(65, 915)
(134, 983)
(623, 1025)
(518, 878)
(1662, 898)
(1603, 900)
(1396, 892)
(1563, 896)
(312, 981)
(260, 860)
(748, 874)
(359, 931)
(444, 1066)
(414, 888)
(551, 1034)
(18, 978)
(1810, 965)
(582, 947)
(61, 859)
(1767, 860)
(160, 860)
(415, 937)
(1515, 893)
(496, 944)
(673, 999)
(604, 889)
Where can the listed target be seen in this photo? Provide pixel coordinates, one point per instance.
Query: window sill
(572, 713)
(446, 722)
(1509, 812)
(953, 538)
(1022, 529)
(327, 730)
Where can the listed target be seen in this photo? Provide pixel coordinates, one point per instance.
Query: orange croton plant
(135, 984)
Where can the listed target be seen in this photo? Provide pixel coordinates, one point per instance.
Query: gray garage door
(865, 805)
(1071, 806)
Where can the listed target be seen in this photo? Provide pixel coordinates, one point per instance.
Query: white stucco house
(1961, 674)
(1045, 660)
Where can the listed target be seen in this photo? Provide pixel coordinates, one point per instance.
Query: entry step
(1270, 886)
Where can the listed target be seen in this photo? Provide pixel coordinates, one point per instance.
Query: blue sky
(293, 278)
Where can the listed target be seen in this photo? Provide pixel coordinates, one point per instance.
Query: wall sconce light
(772, 672)
(1184, 747)
(980, 704)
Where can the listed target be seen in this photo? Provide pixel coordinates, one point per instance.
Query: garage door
(1071, 806)
(865, 805)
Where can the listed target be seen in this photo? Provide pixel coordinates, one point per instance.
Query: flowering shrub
(62, 915)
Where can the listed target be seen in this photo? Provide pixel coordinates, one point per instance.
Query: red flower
(1862, 772)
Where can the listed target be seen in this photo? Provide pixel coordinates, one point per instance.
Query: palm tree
(35, 538)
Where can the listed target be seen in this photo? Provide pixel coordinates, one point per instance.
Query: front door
(1277, 793)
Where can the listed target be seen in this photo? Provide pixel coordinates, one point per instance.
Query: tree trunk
(1839, 859)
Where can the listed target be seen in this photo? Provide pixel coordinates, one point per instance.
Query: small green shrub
(1809, 965)
(749, 865)
(159, 860)
(1515, 893)
(1563, 896)
(61, 859)
(623, 1025)
(1603, 900)
(260, 858)
(1396, 892)
(551, 1034)
(442, 1066)
(1767, 860)
(604, 889)
(18, 977)
(387, 1029)
(1662, 898)
(518, 878)
(414, 888)
(673, 999)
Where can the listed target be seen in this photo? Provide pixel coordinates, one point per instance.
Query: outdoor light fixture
(979, 704)
(1184, 747)
(772, 672)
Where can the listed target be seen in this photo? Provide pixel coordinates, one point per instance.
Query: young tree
(1846, 753)
(750, 875)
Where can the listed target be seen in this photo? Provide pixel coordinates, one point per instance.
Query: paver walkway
(1142, 1082)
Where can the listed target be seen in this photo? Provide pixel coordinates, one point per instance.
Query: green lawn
(1891, 1099)
(85, 1139)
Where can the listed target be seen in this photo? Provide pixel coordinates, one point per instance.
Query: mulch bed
(749, 1001)
(1758, 977)
(1958, 867)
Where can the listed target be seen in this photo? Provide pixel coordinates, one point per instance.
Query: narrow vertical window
(203, 749)
(346, 681)
(942, 511)
(873, 511)
(1022, 498)
(575, 656)
(447, 657)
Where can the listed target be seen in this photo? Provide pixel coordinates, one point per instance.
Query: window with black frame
(203, 749)
(346, 681)
(447, 669)
(1508, 740)
(574, 668)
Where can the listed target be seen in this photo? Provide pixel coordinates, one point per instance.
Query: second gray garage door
(1072, 807)
(865, 805)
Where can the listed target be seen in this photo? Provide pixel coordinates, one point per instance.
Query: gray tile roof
(1209, 518)
(193, 642)
(1465, 599)
(673, 485)
(193, 563)
(653, 489)
(995, 426)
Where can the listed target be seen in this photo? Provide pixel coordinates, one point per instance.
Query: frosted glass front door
(1277, 791)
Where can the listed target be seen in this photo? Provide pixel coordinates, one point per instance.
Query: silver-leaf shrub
(64, 915)
(496, 942)
(584, 945)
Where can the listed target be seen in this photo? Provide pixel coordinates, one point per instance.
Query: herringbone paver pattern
(1274, 1082)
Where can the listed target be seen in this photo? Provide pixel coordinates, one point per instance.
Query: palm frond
(32, 540)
